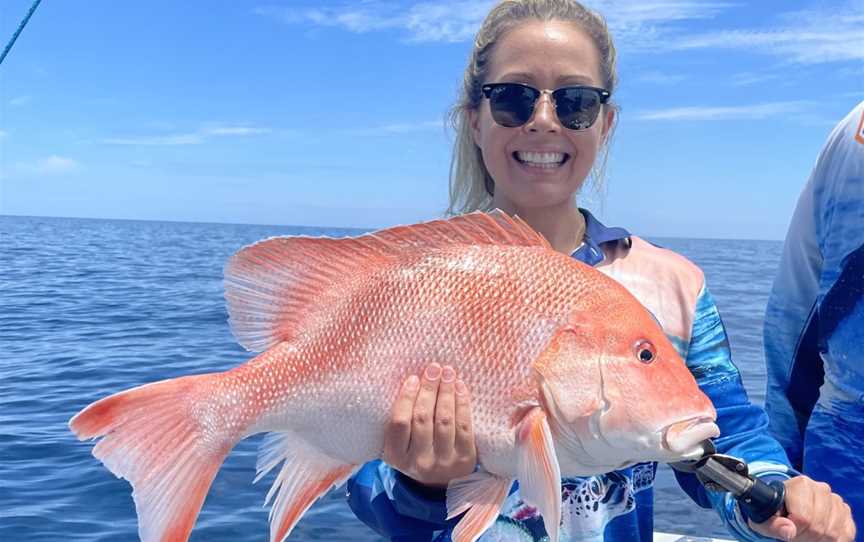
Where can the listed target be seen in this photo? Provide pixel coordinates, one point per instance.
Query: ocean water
(91, 307)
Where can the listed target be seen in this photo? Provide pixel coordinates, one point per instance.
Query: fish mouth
(685, 439)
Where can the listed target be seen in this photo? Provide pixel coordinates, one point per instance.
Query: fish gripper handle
(762, 500)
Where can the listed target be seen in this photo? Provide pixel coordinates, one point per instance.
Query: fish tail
(166, 441)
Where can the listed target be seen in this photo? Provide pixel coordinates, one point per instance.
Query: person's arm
(394, 505)
(430, 437)
(824, 235)
(792, 361)
(743, 425)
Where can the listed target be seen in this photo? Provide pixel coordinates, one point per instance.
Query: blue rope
(20, 28)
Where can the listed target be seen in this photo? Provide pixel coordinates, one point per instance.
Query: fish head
(618, 393)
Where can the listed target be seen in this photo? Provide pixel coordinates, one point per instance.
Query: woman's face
(545, 55)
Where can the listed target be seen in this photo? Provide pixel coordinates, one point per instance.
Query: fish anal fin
(305, 476)
(480, 496)
(538, 471)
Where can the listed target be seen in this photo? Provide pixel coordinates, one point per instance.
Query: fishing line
(18, 31)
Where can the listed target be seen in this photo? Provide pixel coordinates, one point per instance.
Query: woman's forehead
(552, 52)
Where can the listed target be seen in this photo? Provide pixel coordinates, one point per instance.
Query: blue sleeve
(823, 245)
(394, 505)
(743, 425)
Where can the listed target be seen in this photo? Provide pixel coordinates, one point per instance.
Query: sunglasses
(577, 107)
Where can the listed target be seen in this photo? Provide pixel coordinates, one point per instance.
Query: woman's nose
(544, 118)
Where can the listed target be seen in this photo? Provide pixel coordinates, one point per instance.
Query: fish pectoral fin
(306, 475)
(480, 495)
(538, 471)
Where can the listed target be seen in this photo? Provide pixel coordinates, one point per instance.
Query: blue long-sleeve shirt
(617, 505)
(814, 321)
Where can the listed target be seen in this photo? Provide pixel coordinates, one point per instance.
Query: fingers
(445, 414)
(776, 527)
(422, 423)
(807, 508)
(397, 434)
(815, 513)
(836, 527)
(430, 436)
(464, 436)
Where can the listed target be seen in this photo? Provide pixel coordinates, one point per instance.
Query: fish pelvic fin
(480, 496)
(150, 437)
(306, 475)
(538, 471)
(273, 287)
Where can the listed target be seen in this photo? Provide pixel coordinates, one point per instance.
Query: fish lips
(685, 439)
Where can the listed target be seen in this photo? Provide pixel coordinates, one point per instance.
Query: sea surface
(91, 307)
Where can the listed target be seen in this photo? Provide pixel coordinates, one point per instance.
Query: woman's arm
(812, 509)
(430, 440)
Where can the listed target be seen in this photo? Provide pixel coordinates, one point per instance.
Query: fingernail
(461, 388)
(412, 382)
(433, 371)
(448, 374)
(787, 532)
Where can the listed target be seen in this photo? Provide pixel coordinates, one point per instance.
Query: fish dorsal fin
(477, 228)
(273, 287)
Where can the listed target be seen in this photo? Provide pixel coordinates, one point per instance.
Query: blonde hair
(471, 185)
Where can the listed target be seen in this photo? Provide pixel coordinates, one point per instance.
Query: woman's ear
(474, 124)
(609, 117)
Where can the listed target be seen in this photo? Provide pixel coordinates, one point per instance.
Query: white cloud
(744, 79)
(233, 131)
(645, 25)
(19, 101)
(190, 138)
(447, 21)
(743, 112)
(52, 165)
(648, 26)
(4, 134)
(660, 78)
(458, 20)
(399, 128)
(802, 37)
(166, 140)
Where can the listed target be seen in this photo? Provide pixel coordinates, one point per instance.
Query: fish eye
(645, 352)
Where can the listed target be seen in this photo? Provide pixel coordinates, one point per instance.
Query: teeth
(541, 158)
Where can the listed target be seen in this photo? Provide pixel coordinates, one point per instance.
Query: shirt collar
(596, 235)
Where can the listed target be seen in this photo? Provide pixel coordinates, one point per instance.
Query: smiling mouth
(544, 160)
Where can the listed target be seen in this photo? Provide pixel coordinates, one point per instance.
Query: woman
(534, 115)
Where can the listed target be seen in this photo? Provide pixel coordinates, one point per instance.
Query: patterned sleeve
(823, 241)
(395, 506)
(743, 425)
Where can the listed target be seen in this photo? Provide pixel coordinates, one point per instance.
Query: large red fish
(570, 375)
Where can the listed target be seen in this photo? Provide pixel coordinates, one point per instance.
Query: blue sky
(331, 113)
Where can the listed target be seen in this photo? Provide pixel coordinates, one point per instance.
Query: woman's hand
(813, 512)
(429, 437)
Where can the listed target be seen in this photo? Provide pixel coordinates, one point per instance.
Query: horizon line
(356, 228)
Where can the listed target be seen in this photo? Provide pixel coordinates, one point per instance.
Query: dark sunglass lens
(577, 108)
(512, 105)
